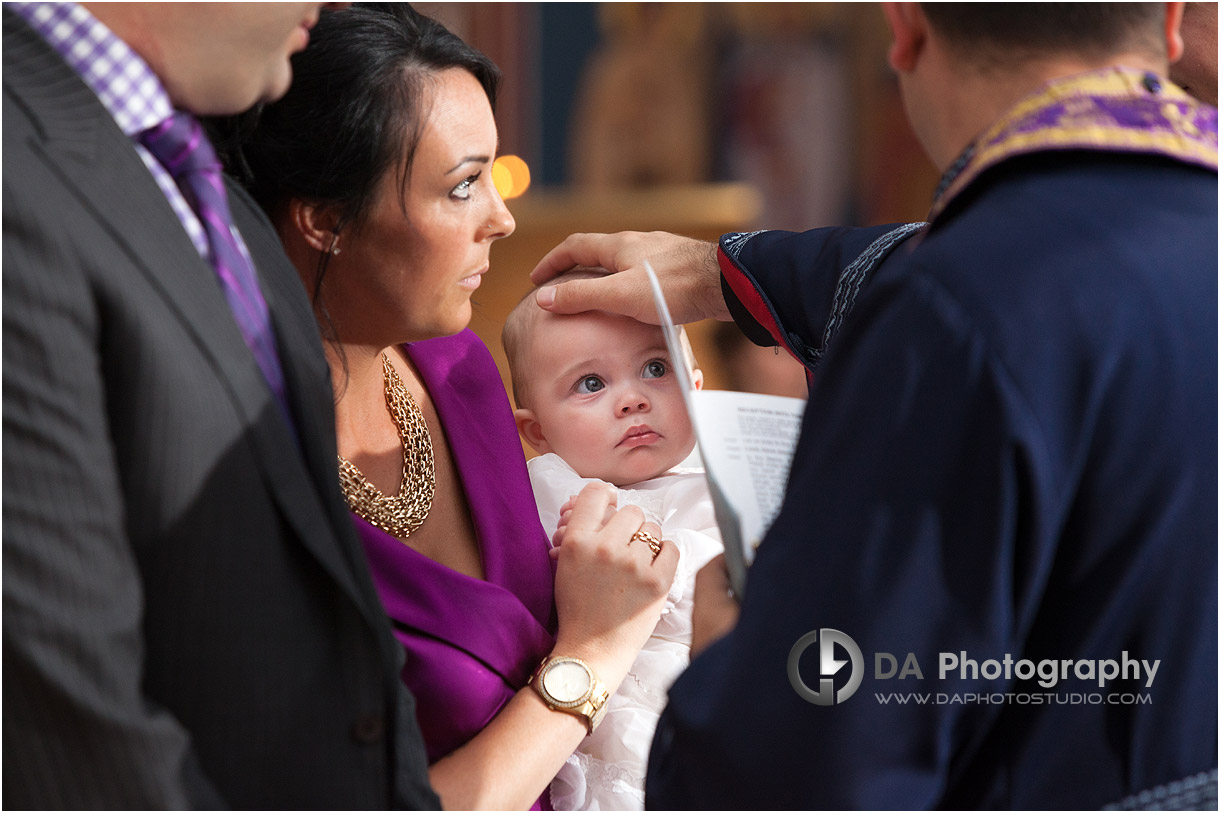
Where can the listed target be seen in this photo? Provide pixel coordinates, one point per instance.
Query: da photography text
(836, 649)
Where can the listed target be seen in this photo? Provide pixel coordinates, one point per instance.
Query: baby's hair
(518, 331)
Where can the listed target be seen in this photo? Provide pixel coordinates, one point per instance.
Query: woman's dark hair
(354, 112)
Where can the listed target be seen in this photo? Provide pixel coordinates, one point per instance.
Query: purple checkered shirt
(138, 102)
(124, 84)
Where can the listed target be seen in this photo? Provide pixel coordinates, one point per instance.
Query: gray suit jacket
(188, 617)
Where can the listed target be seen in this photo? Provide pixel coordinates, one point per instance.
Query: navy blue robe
(1009, 450)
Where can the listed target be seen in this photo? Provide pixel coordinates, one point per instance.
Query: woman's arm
(608, 594)
(508, 764)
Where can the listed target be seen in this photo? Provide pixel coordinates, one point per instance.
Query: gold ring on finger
(648, 539)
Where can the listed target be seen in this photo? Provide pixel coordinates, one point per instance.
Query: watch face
(566, 681)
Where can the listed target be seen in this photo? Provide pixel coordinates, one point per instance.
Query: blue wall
(569, 33)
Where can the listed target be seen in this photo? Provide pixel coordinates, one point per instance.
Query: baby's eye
(655, 369)
(590, 384)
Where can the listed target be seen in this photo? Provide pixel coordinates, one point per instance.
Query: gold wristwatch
(570, 685)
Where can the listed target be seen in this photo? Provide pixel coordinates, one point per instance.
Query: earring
(334, 246)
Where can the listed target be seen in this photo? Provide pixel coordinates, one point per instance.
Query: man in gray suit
(188, 620)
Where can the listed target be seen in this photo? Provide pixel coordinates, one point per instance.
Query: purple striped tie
(180, 145)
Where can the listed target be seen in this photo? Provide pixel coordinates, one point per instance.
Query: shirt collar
(121, 79)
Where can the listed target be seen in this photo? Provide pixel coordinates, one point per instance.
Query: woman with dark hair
(376, 171)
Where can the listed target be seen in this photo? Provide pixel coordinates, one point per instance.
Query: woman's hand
(687, 269)
(565, 512)
(609, 589)
(716, 610)
(609, 593)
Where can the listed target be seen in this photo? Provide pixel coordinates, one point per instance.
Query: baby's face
(605, 397)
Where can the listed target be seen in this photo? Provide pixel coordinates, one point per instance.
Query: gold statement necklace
(402, 514)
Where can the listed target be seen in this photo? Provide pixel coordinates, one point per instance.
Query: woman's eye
(590, 384)
(655, 369)
(462, 190)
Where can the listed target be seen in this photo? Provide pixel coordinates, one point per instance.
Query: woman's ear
(697, 378)
(531, 430)
(315, 224)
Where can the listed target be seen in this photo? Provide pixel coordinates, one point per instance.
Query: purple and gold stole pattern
(1115, 109)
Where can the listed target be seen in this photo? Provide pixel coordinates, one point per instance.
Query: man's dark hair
(1042, 28)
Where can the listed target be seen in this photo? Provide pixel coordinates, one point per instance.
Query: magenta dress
(471, 644)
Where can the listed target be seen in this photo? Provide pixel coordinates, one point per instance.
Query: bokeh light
(511, 176)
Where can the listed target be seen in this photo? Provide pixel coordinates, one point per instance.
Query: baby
(598, 399)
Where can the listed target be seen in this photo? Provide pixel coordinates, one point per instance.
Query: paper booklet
(746, 441)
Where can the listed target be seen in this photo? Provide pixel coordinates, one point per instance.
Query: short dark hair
(1039, 28)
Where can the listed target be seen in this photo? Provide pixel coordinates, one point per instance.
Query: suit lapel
(86, 149)
(306, 374)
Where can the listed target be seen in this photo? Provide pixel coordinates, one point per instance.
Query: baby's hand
(716, 610)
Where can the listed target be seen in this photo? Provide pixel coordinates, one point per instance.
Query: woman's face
(408, 271)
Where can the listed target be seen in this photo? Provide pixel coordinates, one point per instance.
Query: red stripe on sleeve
(748, 295)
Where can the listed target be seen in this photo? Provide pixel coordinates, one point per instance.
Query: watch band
(590, 706)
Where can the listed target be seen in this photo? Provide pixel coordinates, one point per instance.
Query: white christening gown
(607, 770)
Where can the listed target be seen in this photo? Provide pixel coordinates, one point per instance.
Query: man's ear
(1174, 46)
(697, 378)
(531, 430)
(910, 29)
(315, 224)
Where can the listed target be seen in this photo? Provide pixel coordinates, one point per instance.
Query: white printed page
(748, 440)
